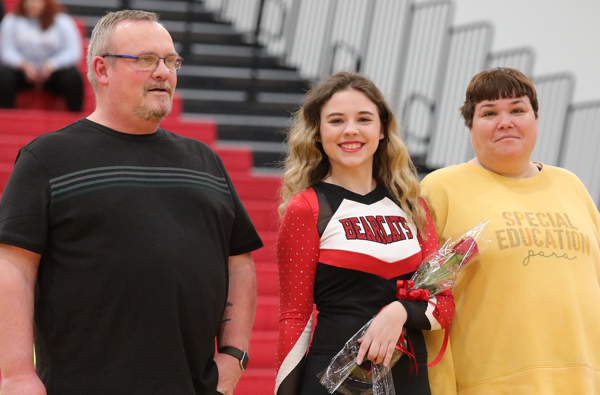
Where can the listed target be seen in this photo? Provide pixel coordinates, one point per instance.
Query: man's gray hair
(100, 41)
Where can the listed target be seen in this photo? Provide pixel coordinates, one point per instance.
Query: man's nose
(161, 71)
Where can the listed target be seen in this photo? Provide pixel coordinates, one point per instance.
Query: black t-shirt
(135, 233)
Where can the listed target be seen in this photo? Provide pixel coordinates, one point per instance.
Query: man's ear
(100, 69)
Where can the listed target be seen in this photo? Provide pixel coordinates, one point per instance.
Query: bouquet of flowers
(440, 270)
(437, 273)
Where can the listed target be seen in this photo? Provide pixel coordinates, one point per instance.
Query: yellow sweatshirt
(527, 318)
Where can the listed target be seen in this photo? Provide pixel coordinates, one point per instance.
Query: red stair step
(263, 214)
(5, 170)
(16, 139)
(263, 349)
(34, 122)
(267, 279)
(205, 131)
(256, 382)
(10, 144)
(267, 254)
(250, 187)
(238, 159)
(267, 313)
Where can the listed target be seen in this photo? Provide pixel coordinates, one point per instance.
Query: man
(133, 238)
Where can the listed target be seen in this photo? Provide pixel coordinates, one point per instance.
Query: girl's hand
(380, 340)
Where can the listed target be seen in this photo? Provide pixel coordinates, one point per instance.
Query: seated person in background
(40, 45)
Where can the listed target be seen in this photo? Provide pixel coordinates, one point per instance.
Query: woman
(40, 45)
(527, 313)
(353, 223)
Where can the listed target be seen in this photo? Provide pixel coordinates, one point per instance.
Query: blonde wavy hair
(307, 164)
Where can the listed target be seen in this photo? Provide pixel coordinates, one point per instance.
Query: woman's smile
(351, 146)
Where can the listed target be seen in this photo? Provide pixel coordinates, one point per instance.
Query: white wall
(565, 35)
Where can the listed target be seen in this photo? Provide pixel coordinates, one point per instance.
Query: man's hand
(380, 340)
(230, 372)
(22, 384)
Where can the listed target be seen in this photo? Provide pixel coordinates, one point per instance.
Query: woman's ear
(318, 137)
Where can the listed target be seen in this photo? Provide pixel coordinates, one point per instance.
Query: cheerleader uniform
(342, 253)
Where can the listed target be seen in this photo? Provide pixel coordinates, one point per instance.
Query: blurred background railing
(423, 64)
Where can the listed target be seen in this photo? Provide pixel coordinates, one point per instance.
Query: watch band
(237, 353)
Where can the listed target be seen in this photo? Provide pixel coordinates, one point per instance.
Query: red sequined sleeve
(297, 256)
(443, 302)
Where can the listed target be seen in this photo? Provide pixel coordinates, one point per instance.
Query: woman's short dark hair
(494, 84)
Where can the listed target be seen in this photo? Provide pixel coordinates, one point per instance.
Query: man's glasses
(150, 61)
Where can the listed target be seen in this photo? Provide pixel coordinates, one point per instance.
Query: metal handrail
(520, 51)
(564, 130)
(187, 37)
(279, 34)
(253, 87)
(582, 159)
(407, 36)
(224, 5)
(342, 45)
(430, 104)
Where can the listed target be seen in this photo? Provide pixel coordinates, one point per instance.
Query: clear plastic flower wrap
(440, 270)
(345, 376)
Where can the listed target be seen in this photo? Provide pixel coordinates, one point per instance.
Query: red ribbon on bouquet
(404, 292)
(411, 353)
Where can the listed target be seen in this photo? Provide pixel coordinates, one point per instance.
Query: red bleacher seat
(10, 5)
